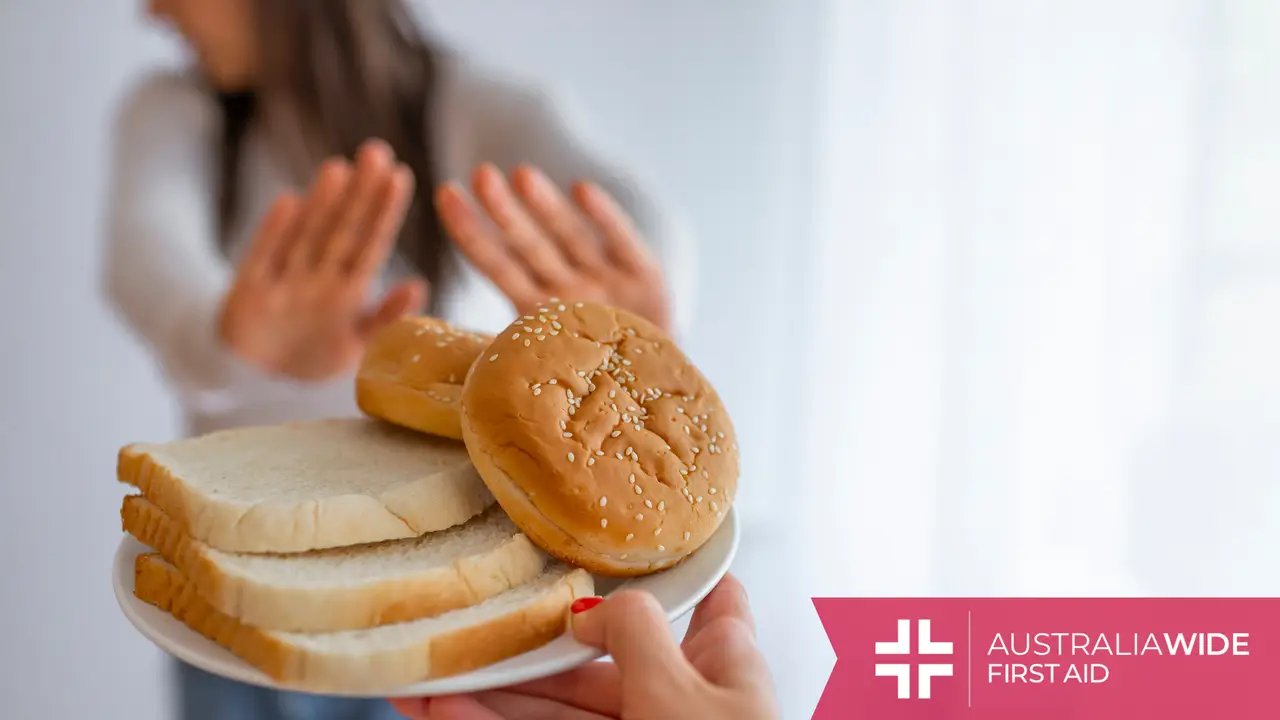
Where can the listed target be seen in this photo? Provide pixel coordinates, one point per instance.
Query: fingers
(524, 235)
(562, 220)
(507, 704)
(595, 687)
(267, 253)
(631, 627)
(375, 163)
(621, 240)
(482, 247)
(319, 211)
(727, 599)
(382, 225)
(407, 298)
(457, 707)
(725, 653)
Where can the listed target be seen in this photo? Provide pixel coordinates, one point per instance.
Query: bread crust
(469, 580)
(600, 439)
(405, 511)
(412, 372)
(449, 653)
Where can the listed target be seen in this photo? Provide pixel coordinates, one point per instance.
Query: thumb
(632, 627)
(406, 298)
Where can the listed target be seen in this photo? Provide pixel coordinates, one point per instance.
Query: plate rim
(480, 679)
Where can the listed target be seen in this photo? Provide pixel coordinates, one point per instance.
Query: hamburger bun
(412, 372)
(600, 439)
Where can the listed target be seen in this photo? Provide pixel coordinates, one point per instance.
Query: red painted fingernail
(584, 604)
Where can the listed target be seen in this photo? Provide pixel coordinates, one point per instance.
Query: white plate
(678, 590)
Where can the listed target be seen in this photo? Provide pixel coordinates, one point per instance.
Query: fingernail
(584, 604)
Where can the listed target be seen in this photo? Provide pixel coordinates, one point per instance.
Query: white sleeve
(162, 270)
(518, 123)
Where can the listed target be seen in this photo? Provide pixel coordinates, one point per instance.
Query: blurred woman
(323, 169)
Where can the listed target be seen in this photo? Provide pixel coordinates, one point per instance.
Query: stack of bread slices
(358, 555)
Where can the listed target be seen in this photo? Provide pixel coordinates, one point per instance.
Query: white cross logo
(902, 671)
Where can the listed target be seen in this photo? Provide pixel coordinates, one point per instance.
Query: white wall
(711, 98)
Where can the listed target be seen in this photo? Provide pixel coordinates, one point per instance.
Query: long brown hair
(333, 74)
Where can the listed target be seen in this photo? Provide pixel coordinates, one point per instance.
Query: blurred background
(991, 287)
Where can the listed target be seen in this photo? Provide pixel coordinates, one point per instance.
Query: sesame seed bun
(600, 439)
(412, 373)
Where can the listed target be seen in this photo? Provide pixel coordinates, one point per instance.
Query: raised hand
(535, 243)
(297, 305)
(718, 673)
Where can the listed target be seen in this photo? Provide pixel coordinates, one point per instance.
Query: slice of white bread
(379, 659)
(308, 485)
(347, 588)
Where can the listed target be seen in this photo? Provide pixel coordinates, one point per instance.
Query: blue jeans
(202, 696)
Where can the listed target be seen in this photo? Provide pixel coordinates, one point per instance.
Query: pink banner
(1051, 659)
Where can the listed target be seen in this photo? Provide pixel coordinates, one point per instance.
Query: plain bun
(600, 439)
(412, 372)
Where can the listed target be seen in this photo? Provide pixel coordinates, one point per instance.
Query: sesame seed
(639, 516)
(569, 435)
(577, 305)
(712, 491)
(694, 468)
(697, 450)
(632, 478)
(493, 357)
(527, 328)
(604, 522)
(537, 391)
(714, 508)
(623, 556)
(662, 505)
(626, 362)
(648, 503)
(612, 393)
(515, 336)
(638, 489)
(630, 536)
(657, 531)
(541, 338)
(615, 433)
(705, 474)
(599, 453)
(556, 325)
(527, 317)
(526, 342)
(683, 471)
(591, 461)
(698, 499)
(561, 308)
(570, 457)
(686, 534)
(552, 381)
(581, 374)
(603, 501)
(662, 548)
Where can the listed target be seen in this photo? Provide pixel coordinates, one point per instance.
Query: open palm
(297, 306)
(535, 243)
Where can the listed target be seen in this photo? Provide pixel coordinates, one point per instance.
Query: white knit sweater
(165, 275)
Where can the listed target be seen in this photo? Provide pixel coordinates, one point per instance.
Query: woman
(299, 187)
